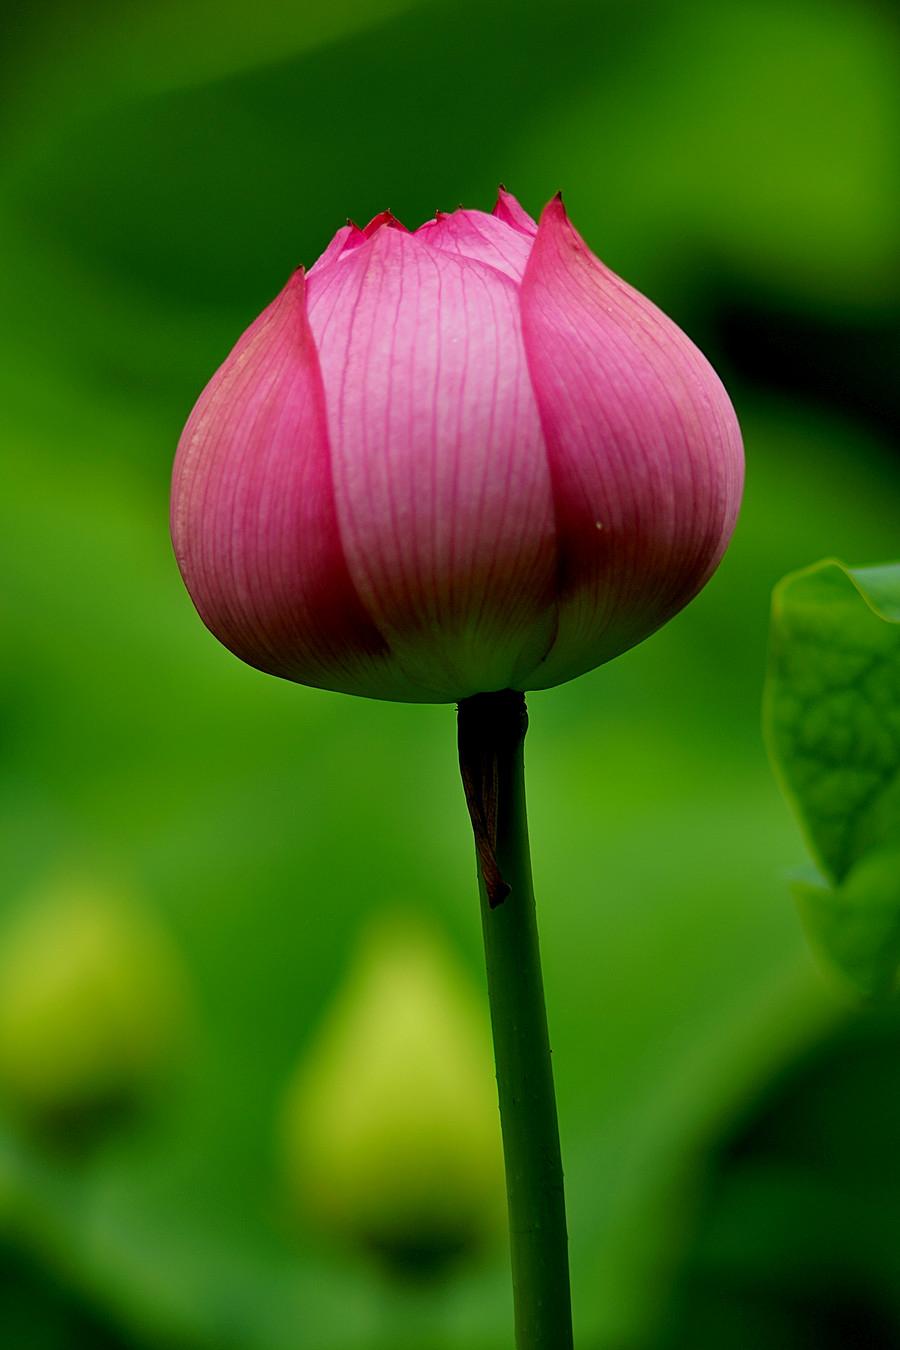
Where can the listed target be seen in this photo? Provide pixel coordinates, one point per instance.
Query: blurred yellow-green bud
(391, 1130)
(91, 1006)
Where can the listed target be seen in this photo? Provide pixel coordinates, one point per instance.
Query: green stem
(491, 748)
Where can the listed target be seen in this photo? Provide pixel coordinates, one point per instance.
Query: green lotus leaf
(832, 721)
(832, 708)
(854, 928)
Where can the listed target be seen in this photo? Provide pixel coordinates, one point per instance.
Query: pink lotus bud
(458, 460)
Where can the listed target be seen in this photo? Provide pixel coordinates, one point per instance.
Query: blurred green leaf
(799, 1214)
(757, 141)
(116, 52)
(39, 1312)
(390, 1135)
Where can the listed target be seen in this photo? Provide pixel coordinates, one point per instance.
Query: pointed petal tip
(384, 218)
(295, 286)
(555, 218)
(510, 210)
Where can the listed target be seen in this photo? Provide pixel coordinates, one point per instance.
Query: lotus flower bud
(453, 461)
(390, 1127)
(91, 1007)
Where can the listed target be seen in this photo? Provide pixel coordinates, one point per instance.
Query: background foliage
(729, 1123)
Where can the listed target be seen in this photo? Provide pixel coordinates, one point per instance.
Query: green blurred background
(729, 1120)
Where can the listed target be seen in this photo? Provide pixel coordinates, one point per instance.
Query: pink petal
(441, 480)
(475, 234)
(508, 209)
(644, 450)
(347, 236)
(253, 516)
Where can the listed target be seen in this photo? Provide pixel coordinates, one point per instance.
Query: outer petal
(507, 208)
(253, 517)
(474, 234)
(644, 449)
(441, 481)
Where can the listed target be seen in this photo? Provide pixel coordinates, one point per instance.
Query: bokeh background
(193, 854)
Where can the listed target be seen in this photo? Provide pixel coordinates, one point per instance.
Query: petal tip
(511, 211)
(555, 209)
(384, 219)
(554, 223)
(294, 289)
